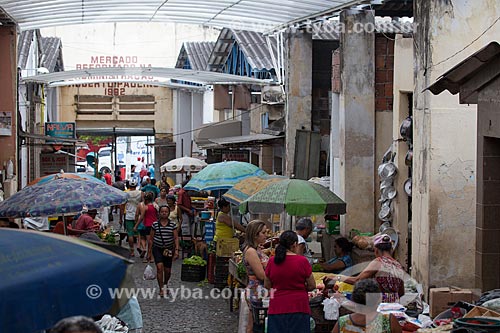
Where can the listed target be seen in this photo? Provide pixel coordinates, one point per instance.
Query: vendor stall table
(234, 280)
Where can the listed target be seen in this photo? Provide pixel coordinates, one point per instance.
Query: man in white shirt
(303, 229)
(130, 208)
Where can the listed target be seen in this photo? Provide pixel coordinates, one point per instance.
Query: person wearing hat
(366, 297)
(128, 211)
(303, 229)
(386, 270)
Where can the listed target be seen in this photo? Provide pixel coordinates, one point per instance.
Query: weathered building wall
(161, 121)
(357, 122)
(8, 91)
(298, 90)
(445, 142)
(403, 88)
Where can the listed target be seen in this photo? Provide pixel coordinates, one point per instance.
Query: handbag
(166, 251)
(141, 226)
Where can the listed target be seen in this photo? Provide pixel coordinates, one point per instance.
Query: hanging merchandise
(407, 187)
(406, 129)
(409, 157)
(385, 211)
(387, 170)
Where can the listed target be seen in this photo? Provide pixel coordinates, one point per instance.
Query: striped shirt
(164, 235)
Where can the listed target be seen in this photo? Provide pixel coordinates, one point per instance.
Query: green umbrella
(295, 196)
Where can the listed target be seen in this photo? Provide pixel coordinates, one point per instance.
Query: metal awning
(256, 15)
(110, 131)
(148, 75)
(203, 136)
(253, 139)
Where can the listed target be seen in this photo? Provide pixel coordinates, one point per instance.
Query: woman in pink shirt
(289, 277)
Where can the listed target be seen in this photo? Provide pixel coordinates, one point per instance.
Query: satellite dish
(91, 159)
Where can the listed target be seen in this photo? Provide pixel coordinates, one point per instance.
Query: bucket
(478, 324)
(332, 227)
(205, 215)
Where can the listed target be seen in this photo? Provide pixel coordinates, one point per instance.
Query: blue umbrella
(61, 196)
(222, 176)
(46, 277)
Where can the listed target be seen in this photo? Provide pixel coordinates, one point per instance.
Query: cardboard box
(442, 299)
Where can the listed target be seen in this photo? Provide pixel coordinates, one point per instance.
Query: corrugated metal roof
(52, 54)
(197, 53)
(23, 47)
(253, 44)
(257, 15)
(461, 73)
(253, 139)
(140, 74)
(331, 30)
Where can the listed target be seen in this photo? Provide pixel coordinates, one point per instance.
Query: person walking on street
(175, 211)
(165, 248)
(147, 214)
(128, 210)
(148, 187)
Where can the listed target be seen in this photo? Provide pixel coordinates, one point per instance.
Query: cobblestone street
(183, 315)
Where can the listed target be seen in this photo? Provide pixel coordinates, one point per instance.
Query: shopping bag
(149, 274)
(331, 308)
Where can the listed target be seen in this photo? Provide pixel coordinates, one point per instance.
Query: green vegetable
(241, 270)
(194, 261)
(317, 268)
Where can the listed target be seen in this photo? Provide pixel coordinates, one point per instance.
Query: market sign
(60, 129)
(209, 231)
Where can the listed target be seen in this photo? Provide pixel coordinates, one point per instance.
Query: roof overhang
(470, 75)
(246, 140)
(204, 135)
(256, 15)
(159, 76)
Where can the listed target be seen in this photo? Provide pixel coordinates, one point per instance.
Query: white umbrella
(183, 164)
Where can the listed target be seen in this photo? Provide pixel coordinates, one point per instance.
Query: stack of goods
(193, 269)
(221, 272)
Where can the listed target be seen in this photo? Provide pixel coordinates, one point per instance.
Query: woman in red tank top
(148, 215)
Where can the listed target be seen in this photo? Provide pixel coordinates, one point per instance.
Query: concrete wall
(161, 121)
(403, 85)
(8, 92)
(155, 44)
(357, 123)
(298, 90)
(445, 142)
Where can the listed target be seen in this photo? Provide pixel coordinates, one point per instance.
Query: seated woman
(388, 273)
(342, 259)
(365, 299)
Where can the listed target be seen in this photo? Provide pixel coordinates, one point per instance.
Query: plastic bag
(244, 311)
(149, 274)
(331, 308)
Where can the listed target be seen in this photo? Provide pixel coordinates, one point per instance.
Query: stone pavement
(184, 314)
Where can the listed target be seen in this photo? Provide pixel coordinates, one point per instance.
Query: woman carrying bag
(165, 248)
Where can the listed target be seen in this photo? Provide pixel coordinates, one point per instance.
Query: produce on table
(195, 261)
(317, 268)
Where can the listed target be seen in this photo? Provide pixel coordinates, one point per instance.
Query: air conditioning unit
(272, 95)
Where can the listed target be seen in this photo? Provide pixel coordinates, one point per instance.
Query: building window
(264, 120)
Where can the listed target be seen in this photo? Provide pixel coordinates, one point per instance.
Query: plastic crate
(259, 314)
(192, 273)
(227, 246)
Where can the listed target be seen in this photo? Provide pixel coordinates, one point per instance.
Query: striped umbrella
(295, 196)
(249, 186)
